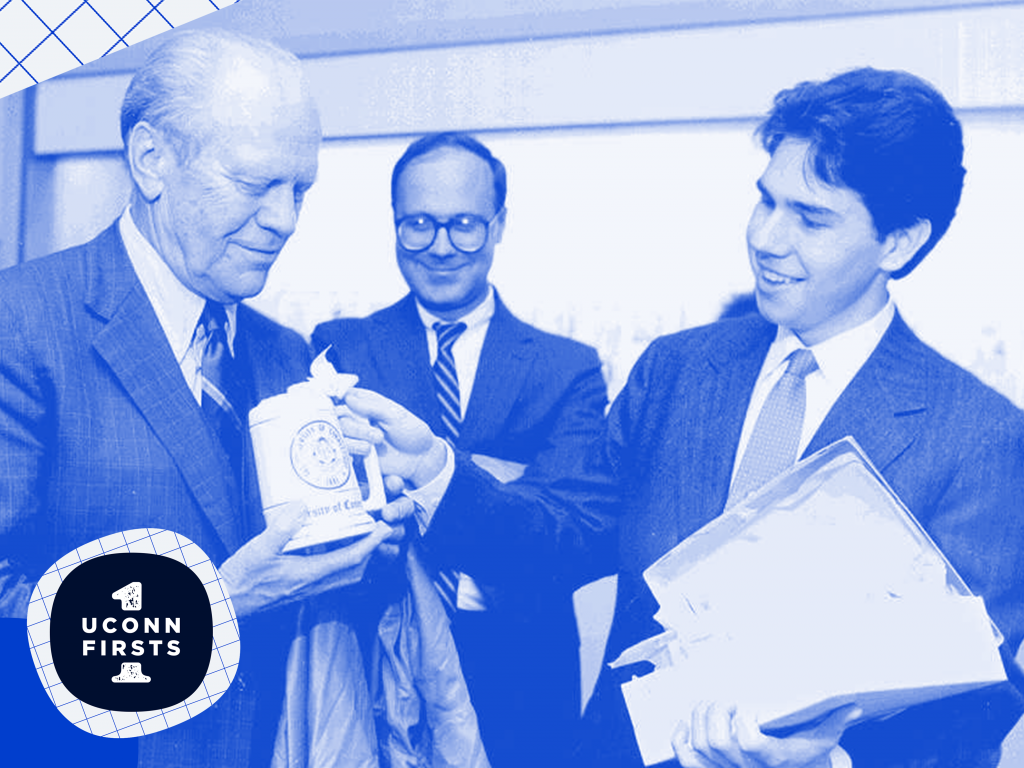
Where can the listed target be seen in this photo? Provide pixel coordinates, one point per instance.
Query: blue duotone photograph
(554, 383)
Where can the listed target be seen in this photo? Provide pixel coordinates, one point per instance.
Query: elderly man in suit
(863, 179)
(129, 365)
(523, 401)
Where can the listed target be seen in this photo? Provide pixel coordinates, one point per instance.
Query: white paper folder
(818, 591)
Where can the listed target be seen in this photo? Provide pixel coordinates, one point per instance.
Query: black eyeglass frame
(445, 225)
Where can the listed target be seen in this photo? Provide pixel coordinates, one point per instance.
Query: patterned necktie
(446, 379)
(221, 386)
(776, 435)
(446, 382)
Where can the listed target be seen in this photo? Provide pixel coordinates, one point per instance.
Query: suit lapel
(505, 362)
(883, 406)
(403, 360)
(134, 346)
(734, 367)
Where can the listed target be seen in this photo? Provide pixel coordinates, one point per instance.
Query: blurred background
(626, 129)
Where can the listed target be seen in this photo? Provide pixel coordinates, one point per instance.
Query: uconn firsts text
(119, 646)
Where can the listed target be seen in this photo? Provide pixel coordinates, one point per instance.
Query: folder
(819, 590)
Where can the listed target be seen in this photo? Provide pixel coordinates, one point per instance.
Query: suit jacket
(952, 449)
(539, 400)
(99, 433)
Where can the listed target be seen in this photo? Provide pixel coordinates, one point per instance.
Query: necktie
(446, 379)
(446, 382)
(776, 435)
(221, 386)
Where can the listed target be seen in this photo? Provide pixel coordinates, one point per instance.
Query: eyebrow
(803, 208)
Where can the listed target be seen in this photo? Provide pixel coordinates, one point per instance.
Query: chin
(783, 316)
(442, 303)
(248, 288)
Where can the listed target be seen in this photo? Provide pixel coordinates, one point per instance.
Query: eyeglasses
(466, 231)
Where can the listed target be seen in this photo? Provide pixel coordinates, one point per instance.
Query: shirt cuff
(428, 497)
(840, 758)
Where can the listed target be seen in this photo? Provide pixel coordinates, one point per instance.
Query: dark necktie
(773, 442)
(222, 387)
(446, 382)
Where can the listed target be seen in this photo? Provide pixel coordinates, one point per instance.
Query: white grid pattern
(43, 38)
(223, 659)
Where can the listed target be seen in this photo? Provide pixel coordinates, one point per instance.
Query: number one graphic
(130, 596)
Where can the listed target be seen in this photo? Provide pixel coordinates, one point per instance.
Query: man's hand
(722, 737)
(405, 445)
(259, 576)
(395, 513)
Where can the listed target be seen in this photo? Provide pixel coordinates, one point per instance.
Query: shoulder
(954, 390)
(49, 296)
(348, 332)
(267, 336)
(64, 271)
(723, 342)
(558, 352)
(678, 373)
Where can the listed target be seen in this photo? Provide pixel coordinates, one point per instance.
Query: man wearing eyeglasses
(518, 402)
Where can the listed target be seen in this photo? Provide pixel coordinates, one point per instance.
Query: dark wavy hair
(887, 135)
(455, 140)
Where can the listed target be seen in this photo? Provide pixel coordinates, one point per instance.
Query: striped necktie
(773, 442)
(221, 386)
(446, 382)
(446, 378)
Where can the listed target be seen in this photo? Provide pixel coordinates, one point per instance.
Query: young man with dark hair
(863, 178)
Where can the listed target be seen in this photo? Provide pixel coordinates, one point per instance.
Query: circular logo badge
(144, 618)
(319, 455)
(133, 633)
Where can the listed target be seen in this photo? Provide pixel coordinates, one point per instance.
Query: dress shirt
(177, 308)
(839, 359)
(466, 353)
(466, 349)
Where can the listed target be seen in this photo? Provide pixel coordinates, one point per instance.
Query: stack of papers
(819, 591)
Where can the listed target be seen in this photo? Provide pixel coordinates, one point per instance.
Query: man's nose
(442, 245)
(279, 210)
(769, 233)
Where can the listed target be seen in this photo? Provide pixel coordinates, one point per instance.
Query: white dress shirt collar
(466, 349)
(476, 317)
(177, 308)
(841, 356)
(839, 359)
(466, 352)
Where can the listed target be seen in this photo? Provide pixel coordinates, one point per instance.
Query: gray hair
(170, 90)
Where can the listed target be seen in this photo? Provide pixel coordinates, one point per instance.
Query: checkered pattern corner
(223, 659)
(43, 38)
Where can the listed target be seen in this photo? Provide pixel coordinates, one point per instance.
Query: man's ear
(499, 224)
(150, 158)
(902, 244)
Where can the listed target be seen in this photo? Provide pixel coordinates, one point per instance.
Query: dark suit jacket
(952, 449)
(99, 433)
(539, 400)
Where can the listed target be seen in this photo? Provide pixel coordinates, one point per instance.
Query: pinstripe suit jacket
(99, 433)
(951, 448)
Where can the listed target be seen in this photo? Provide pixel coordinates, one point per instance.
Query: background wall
(630, 157)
